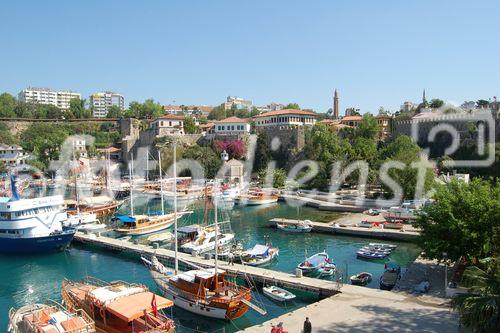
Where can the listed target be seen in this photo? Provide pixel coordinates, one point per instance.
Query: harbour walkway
(323, 288)
(409, 233)
(360, 309)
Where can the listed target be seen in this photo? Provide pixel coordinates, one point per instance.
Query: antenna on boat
(131, 181)
(175, 209)
(161, 183)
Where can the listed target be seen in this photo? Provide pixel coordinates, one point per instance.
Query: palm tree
(479, 309)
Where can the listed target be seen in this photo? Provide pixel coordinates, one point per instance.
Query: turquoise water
(44, 273)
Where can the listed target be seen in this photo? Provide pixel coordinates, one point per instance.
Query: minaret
(424, 100)
(335, 105)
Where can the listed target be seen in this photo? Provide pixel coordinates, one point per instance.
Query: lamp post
(445, 257)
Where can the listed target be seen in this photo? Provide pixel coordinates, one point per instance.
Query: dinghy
(361, 279)
(326, 269)
(259, 255)
(370, 254)
(278, 294)
(312, 263)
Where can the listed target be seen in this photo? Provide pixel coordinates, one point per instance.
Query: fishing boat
(32, 225)
(256, 197)
(312, 263)
(301, 226)
(370, 254)
(327, 269)
(392, 273)
(42, 318)
(259, 255)
(278, 294)
(162, 237)
(361, 279)
(118, 306)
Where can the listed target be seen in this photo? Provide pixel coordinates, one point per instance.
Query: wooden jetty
(323, 288)
(379, 233)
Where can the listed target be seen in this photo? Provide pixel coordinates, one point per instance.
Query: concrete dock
(359, 309)
(409, 233)
(323, 288)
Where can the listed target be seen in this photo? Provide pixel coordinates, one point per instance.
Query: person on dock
(307, 326)
(231, 258)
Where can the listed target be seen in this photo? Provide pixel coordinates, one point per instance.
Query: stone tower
(335, 105)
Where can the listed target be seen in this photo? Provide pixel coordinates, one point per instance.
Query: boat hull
(145, 230)
(37, 244)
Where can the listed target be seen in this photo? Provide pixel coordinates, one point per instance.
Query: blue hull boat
(37, 245)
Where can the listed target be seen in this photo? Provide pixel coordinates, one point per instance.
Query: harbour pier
(323, 288)
(407, 235)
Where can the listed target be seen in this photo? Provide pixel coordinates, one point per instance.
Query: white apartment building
(60, 99)
(13, 156)
(168, 125)
(240, 103)
(287, 117)
(102, 101)
(231, 126)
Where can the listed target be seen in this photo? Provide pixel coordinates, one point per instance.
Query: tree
(114, 111)
(5, 136)
(209, 159)
(368, 128)
(151, 109)
(482, 103)
(217, 113)
(25, 110)
(7, 105)
(48, 112)
(404, 150)
(190, 125)
(77, 108)
(479, 309)
(261, 152)
(279, 178)
(293, 106)
(463, 221)
(436, 103)
(45, 140)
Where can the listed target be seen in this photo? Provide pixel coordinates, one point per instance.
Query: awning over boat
(125, 218)
(133, 306)
(258, 250)
(316, 259)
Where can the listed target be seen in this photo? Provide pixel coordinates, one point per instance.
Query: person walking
(307, 326)
(231, 258)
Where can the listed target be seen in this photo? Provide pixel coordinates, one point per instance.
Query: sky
(376, 53)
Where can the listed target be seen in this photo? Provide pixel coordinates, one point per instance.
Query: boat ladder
(254, 307)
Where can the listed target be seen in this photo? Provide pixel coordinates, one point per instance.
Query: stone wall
(291, 137)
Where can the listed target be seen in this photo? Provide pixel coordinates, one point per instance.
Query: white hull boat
(301, 227)
(278, 294)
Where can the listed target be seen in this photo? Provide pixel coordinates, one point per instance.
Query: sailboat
(205, 292)
(134, 225)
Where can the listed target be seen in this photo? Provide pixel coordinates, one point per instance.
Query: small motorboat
(383, 246)
(375, 249)
(326, 269)
(390, 277)
(361, 279)
(312, 263)
(301, 226)
(278, 294)
(370, 254)
(259, 255)
(91, 227)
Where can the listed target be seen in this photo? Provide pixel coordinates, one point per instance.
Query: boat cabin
(202, 283)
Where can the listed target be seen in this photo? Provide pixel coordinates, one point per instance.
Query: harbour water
(38, 278)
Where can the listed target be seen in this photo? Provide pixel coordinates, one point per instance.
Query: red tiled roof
(171, 116)
(330, 121)
(232, 120)
(352, 118)
(207, 125)
(285, 111)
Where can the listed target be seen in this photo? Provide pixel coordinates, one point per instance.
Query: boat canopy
(125, 218)
(317, 259)
(258, 250)
(190, 276)
(133, 307)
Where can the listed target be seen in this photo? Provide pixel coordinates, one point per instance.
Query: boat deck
(323, 288)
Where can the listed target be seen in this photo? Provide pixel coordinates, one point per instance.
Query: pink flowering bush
(235, 148)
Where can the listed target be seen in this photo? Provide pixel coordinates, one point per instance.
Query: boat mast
(216, 231)
(130, 167)
(147, 165)
(77, 196)
(161, 183)
(175, 209)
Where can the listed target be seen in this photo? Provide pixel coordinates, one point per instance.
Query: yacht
(32, 225)
(206, 239)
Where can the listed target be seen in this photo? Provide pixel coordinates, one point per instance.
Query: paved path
(358, 309)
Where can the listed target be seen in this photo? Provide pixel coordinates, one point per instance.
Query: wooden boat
(118, 307)
(312, 263)
(361, 279)
(300, 227)
(100, 205)
(259, 255)
(38, 318)
(142, 224)
(256, 198)
(278, 294)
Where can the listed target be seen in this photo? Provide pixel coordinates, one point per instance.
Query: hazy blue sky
(376, 53)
